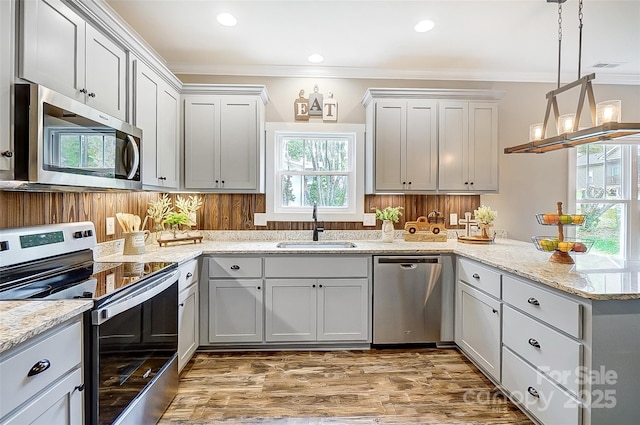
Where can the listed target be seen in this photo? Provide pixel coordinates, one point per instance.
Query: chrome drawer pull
(534, 343)
(476, 276)
(533, 301)
(533, 392)
(189, 275)
(39, 367)
(235, 267)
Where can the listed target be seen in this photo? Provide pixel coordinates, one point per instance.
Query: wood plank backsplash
(218, 212)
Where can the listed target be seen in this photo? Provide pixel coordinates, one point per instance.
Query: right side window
(607, 183)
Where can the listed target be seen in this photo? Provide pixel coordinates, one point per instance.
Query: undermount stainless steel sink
(316, 245)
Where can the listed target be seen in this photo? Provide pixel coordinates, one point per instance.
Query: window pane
(326, 155)
(291, 189)
(292, 154)
(95, 153)
(69, 151)
(326, 191)
(599, 172)
(603, 224)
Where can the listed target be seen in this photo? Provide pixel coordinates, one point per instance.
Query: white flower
(485, 215)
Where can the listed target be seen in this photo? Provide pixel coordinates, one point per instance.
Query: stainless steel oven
(130, 337)
(62, 142)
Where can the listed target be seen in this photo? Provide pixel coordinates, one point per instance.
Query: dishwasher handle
(408, 260)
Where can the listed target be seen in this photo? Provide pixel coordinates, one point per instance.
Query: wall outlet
(259, 219)
(453, 219)
(369, 219)
(111, 226)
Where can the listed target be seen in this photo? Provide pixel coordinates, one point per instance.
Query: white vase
(387, 231)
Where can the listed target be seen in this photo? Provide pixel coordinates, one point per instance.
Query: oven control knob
(77, 235)
(87, 233)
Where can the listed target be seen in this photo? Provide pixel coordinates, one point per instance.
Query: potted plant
(485, 216)
(388, 216)
(175, 219)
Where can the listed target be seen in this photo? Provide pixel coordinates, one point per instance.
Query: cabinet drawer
(547, 349)
(235, 267)
(62, 349)
(536, 393)
(188, 274)
(316, 267)
(479, 276)
(544, 305)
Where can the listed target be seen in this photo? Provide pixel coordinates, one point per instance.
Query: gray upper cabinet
(7, 14)
(427, 140)
(468, 143)
(405, 145)
(157, 113)
(224, 138)
(63, 52)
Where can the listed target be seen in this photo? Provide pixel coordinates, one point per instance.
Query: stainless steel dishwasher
(412, 299)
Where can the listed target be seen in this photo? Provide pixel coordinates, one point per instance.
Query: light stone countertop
(519, 258)
(22, 320)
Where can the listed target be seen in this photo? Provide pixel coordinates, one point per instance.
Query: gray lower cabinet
(317, 310)
(235, 310)
(285, 300)
(563, 359)
(53, 395)
(478, 315)
(232, 308)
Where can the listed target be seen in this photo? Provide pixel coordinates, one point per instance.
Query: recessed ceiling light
(424, 26)
(315, 58)
(227, 19)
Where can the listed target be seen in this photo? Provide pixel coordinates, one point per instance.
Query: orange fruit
(550, 218)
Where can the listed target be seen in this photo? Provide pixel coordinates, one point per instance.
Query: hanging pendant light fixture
(605, 116)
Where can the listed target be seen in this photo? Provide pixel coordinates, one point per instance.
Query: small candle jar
(608, 111)
(535, 132)
(565, 123)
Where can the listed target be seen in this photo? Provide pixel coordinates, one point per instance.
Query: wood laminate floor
(425, 386)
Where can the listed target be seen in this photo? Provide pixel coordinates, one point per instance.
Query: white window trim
(274, 130)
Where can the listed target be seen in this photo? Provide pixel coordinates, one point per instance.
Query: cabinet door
(478, 333)
(146, 89)
(6, 77)
(421, 152)
(343, 313)
(483, 146)
(453, 143)
(390, 138)
(53, 47)
(291, 310)
(105, 74)
(235, 310)
(187, 325)
(61, 403)
(168, 136)
(238, 156)
(201, 141)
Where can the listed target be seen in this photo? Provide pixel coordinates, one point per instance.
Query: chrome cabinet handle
(235, 267)
(533, 301)
(189, 275)
(79, 387)
(181, 304)
(476, 276)
(533, 392)
(7, 154)
(39, 367)
(534, 343)
(83, 91)
(92, 94)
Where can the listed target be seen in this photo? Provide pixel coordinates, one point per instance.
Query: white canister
(134, 242)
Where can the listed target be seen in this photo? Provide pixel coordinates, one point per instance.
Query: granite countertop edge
(23, 320)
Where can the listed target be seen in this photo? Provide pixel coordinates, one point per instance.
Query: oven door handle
(145, 293)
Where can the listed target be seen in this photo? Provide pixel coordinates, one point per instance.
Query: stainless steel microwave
(59, 141)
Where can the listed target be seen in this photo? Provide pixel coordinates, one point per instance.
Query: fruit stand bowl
(547, 219)
(562, 249)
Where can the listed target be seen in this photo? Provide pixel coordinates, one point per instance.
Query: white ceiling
(496, 40)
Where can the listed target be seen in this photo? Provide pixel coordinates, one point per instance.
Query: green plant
(176, 218)
(388, 213)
